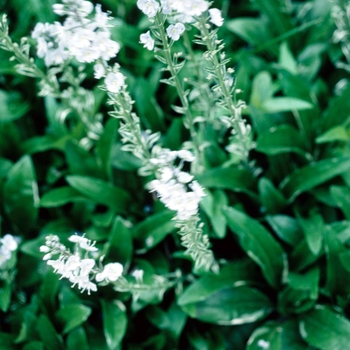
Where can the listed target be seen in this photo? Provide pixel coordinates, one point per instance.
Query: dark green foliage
(279, 224)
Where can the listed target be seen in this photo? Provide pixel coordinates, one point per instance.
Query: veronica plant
(84, 37)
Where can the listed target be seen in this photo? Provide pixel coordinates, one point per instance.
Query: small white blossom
(166, 9)
(148, 7)
(186, 155)
(111, 272)
(174, 31)
(83, 242)
(138, 274)
(216, 17)
(114, 82)
(147, 40)
(263, 344)
(99, 71)
(9, 242)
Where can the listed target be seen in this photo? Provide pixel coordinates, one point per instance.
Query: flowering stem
(132, 122)
(220, 70)
(182, 94)
(8, 45)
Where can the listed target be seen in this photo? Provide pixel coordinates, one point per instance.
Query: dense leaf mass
(199, 155)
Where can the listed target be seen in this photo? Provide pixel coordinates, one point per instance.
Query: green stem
(24, 59)
(233, 111)
(182, 95)
(124, 101)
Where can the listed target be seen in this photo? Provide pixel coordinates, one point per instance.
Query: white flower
(99, 70)
(44, 249)
(166, 9)
(111, 272)
(5, 255)
(184, 177)
(186, 155)
(197, 189)
(86, 266)
(72, 263)
(174, 31)
(9, 242)
(148, 7)
(215, 17)
(114, 81)
(167, 174)
(138, 274)
(147, 41)
(83, 242)
(59, 9)
(263, 344)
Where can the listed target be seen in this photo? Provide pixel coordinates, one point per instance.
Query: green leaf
(286, 227)
(154, 229)
(252, 30)
(34, 345)
(148, 109)
(11, 106)
(72, 316)
(105, 145)
(21, 197)
(337, 112)
(337, 133)
(212, 205)
(60, 196)
(285, 104)
(312, 175)
(231, 306)
(6, 341)
(5, 166)
(80, 161)
(49, 288)
(325, 329)
(258, 243)
(204, 287)
(48, 334)
(271, 198)
(337, 277)
(277, 336)
(280, 139)
(286, 59)
(279, 19)
(77, 340)
(313, 230)
(172, 320)
(341, 195)
(262, 89)
(44, 143)
(124, 160)
(5, 295)
(114, 323)
(120, 242)
(240, 180)
(101, 192)
(31, 247)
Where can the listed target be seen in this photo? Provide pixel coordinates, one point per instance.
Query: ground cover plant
(174, 174)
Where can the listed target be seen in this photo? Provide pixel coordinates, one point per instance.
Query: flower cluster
(78, 270)
(8, 245)
(82, 36)
(176, 188)
(181, 11)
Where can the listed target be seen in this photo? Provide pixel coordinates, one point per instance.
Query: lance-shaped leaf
(312, 175)
(258, 243)
(324, 329)
(21, 194)
(100, 191)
